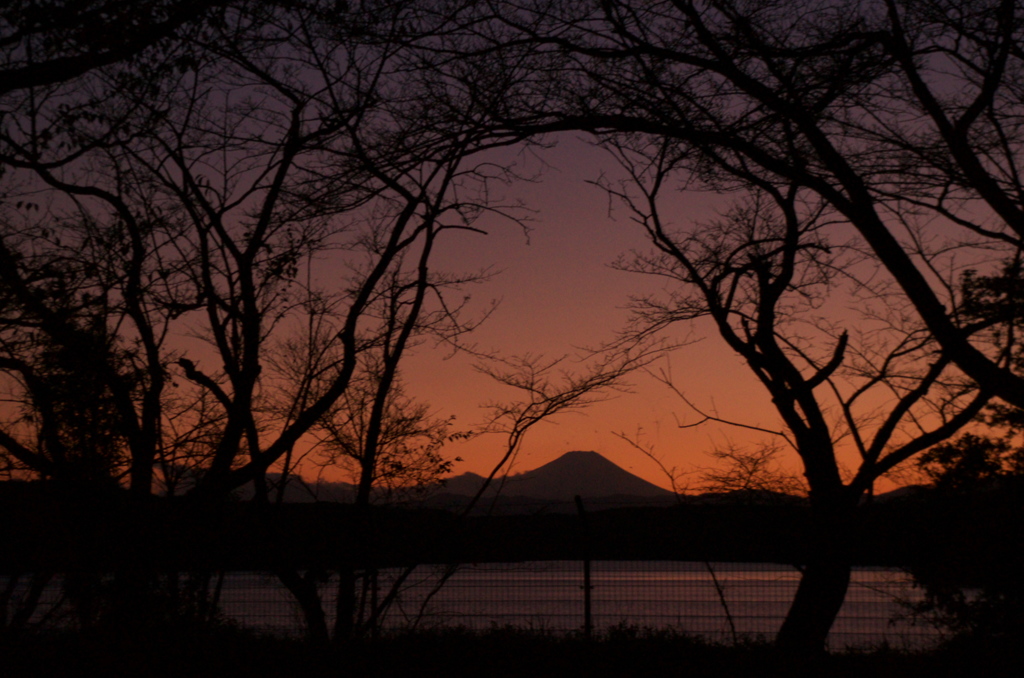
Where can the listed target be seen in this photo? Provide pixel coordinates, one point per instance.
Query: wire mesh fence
(725, 602)
(719, 601)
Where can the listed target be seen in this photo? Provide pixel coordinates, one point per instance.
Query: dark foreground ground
(227, 652)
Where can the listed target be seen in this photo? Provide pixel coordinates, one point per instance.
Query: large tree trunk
(345, 605)
(304, 589)
(818, 599)
(826, 578)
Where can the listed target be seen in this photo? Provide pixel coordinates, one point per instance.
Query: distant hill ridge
(600, 482)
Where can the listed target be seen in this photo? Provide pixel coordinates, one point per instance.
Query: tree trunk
(345, 605)
(303, 588)
(826, 578)
(818, 599)
(21, 615)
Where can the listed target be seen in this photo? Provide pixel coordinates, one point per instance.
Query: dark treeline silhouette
(958, 538)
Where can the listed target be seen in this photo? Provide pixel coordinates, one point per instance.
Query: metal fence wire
(723, 602)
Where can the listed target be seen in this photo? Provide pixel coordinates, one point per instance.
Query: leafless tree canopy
(171, 195)
(901, 116)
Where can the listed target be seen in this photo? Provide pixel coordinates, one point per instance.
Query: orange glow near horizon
(557, 293)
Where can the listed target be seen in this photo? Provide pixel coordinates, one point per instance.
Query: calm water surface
(720, 601)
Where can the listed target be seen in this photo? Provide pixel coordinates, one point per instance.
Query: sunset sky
(557, 291)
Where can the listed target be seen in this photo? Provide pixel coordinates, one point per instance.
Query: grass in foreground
(224, 651)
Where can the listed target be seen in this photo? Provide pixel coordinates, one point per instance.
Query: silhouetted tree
(46, 42)
(898, 117)
(754, 473)
(971, 461)
(972, 587)
(980, 457)
(180, 202)
(74, 444)
(407, 454)
(181, 210)
(897, 114)
(762, 275)
(202, 199)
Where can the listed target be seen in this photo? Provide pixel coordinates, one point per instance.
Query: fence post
(588, 621)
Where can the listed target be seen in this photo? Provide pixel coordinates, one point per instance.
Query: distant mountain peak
(582, 460)
(584, 473)
(582, 453)
(579, 457)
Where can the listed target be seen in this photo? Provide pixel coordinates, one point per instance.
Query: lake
(719, 601)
